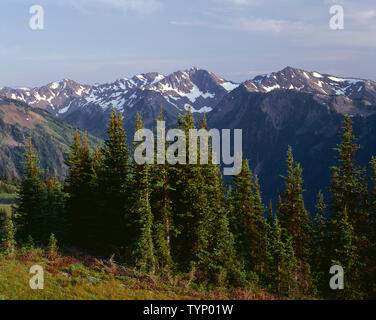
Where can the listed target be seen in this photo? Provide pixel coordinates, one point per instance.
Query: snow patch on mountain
(229, 86)
(201, 110)
(196, 93)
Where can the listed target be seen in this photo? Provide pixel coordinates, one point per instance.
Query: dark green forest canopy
(181, 220)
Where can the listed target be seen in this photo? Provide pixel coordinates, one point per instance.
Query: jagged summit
(314, 82)
(201, 89)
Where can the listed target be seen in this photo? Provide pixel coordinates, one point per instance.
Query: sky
(97, 41)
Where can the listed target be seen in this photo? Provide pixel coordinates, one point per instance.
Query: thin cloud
(260, 25)
(241, 2)
(86, 6)
(141, 6)
(363, 16)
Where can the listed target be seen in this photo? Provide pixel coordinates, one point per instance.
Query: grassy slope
(51, 137)
(86, 278)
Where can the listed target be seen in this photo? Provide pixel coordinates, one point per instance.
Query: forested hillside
(180, 221)
(50, 135)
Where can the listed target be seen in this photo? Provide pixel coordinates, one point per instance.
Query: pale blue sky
(102, 40)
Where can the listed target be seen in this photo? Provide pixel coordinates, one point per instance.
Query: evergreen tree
(372, 234)
(349, 194)
(346, 255)
(28, 214)
(348, 187)
(218, 260)
(162, 208)
(8, 232)
(80, 208)
(297, 222)
(188, 200)
(242, 217)
(261, 227)
(137, 185)
(202, 241)
(53, 209)
(52, 244)
(144, 251)
(270, 217)
(292, 212)
(320, 237)
(30, 242)
(282, 263)
(113, 183)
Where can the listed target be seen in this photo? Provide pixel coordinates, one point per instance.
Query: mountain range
(289, 107)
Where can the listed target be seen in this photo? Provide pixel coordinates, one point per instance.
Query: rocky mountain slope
(271, 121)
(50, 135)
(89, 106)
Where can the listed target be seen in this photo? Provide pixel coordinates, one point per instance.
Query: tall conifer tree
(113, 183)
(81, 214)
(292, 212)
(144, 249)
(28, 214)
(162, 207)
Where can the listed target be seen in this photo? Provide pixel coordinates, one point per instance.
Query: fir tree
(188, 200)
(372, 233)
(320, 239)
(346, 255)
(292, 212)
(349, 194)
(282, 263)
(261, 227)
(348, 182)
(8, 236)
(82, 218)
(162, 208)
(144, 251)
(270, 217)
(297, 222)
(202, 242)
(55, 220)
(52, 244)
(30, 243)
(28, 214)
(242, 217)
(218, 260)
(113, 183)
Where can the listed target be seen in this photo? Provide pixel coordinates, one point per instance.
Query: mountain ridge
(199, 88)
(289, 107)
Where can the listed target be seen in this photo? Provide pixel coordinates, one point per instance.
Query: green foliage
(321, 248)
(161, 207)
(144, 251)
(282, 264)
(30, 243)
(8, 232)
(28, 215)
(297, 222)
(51, 138)
(346, 255)
(178, 219)
(349, 226)
(113, 184)
(79, 188)
(292, 213)
(247, 222)
(52, 244)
